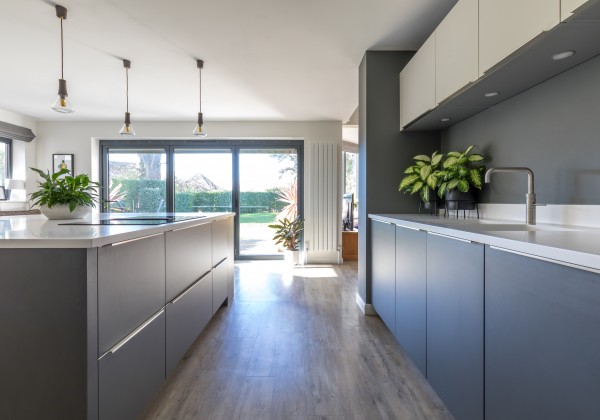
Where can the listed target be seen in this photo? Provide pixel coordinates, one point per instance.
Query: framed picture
(2, 194)
(62, 161)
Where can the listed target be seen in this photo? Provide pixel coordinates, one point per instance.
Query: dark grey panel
(43, 366)
(384, 272)
(131, 287)
(455, 324)
(220, 285)
(189, 257)
(542, 340)
(186, 317)
(130, 377)
(411, 294)
(384, 151)
(551, 128)
(219, 241)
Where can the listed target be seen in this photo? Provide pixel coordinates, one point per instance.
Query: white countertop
(572, 245)
(36, 231)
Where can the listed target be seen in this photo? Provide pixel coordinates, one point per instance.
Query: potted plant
(460, 178)
(421, 177)
(61, 196)
(287, 233)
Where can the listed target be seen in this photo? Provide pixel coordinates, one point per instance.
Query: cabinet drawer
(383, 272)
(219, 285)
(219, 241)
(187, 315)
(131, 287)
(189, 257)
(132, 372)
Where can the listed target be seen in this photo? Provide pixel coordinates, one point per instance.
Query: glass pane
(268, 191)
(203, 180)
(137, 180)
(3, 156)
(349, 203)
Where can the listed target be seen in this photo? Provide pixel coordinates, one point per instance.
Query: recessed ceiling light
(446, 119)
(491, 94)
(563, 55)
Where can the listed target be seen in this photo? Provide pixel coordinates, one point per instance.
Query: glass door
(268, 191)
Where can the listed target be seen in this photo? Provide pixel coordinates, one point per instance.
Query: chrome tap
(529, 197)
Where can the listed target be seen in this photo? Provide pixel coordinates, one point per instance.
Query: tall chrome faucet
(529, 197)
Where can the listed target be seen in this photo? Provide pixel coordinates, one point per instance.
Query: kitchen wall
(24, 153)
(82, 139)
(552, 128)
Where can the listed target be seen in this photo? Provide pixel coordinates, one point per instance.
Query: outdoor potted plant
(460, 178)
(287, 233)
(421, 177)
(62, 196)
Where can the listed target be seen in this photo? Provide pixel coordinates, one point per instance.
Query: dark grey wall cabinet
(455, 324)
(542, 339)
(131, 374)
(384, 272)
(131, 286)
(189, 257)
(411, 294)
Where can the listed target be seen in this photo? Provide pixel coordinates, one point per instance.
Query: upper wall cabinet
(456, 50)
(417, 83)
(567, 7)
(506, 25)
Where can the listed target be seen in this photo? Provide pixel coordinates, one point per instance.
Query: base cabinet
(384, 272)
(455, 324)
(220, 285)
(542, 339)
(132, 372)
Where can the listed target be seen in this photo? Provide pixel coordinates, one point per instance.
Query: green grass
(257, 217)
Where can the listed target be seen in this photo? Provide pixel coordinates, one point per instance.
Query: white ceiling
(294, 60)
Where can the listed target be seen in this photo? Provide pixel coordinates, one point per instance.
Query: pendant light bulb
(62, 103)
(127, 129)
(199, 130)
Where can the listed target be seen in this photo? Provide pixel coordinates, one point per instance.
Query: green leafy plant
(460, 171)
(287, 232)
(74, 191)
(421, 177)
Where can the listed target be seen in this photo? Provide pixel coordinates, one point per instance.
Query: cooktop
(135, 220)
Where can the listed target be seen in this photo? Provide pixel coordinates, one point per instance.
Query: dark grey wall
(384, 151)
(553, 128)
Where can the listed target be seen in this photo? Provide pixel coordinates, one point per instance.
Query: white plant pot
(61, 212)
(291, 257)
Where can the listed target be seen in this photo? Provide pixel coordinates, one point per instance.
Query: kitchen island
(94, 317)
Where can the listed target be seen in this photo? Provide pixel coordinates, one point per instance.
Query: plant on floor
(421, 177)
(57, 189)
(460, 171)
(287, 232)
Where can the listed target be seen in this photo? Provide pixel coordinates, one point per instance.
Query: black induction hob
(135, 220)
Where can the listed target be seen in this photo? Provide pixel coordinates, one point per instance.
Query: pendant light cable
(62, 54)
(62, 103)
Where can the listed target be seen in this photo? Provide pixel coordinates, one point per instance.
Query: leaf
(422, 158)
(475, 178)
(425, 195)
(463, 185)
(452, 184)
(462, 171)
(425, 171)
(442, 189)
(475, 158)
(419, 163)
(450, 161)
(466, 152)
(454, 154)
(436, 160)
(409, 170)
(407, 181)
(417, 186)
(432, 181)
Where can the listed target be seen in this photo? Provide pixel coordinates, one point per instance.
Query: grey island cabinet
(502, 319)
(93, 319)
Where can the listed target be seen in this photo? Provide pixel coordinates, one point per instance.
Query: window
(350, 197)
(5, 160)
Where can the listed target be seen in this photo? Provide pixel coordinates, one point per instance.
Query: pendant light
(127, 129)
(200, 130)
(62, 103)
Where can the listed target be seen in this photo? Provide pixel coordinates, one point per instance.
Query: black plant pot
(457, 200)
(433, 206)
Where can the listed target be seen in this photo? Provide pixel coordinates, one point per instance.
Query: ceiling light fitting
(446, 119)
(127, 129)
(491, 94)
(62, 103)
(200, 130)
(562, 55)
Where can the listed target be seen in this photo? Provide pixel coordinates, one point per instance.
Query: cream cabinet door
(417, 83)
(457, 49)
(568, 6)
(506, 25)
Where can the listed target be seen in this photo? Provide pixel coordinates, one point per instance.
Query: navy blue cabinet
(411, 294)
(542, 339)
(383, 272)
(455, 295)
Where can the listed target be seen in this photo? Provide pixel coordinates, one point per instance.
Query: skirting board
(365, 308)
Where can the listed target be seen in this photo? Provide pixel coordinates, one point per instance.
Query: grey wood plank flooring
(294, 345)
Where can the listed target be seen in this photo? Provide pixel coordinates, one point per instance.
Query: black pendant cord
(126, 89)
(200, 90)
(62, 54)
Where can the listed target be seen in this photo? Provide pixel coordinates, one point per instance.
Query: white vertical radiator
(323, 204)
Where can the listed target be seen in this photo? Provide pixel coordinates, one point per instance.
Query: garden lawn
(257, 217)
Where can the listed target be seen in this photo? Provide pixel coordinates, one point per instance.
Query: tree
(150, 165)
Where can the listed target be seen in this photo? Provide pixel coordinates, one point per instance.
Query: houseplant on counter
(460, 178)
(64, 197)
(287, 233)
(421, 177)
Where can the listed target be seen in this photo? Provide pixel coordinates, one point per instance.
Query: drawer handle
(185, 292)
(450, 237)
(550, 260)
(187, 227)
(135, 239)
(135, 332)
(220, 262)
(408, 227)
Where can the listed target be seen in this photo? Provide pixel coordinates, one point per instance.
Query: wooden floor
(294, 345)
